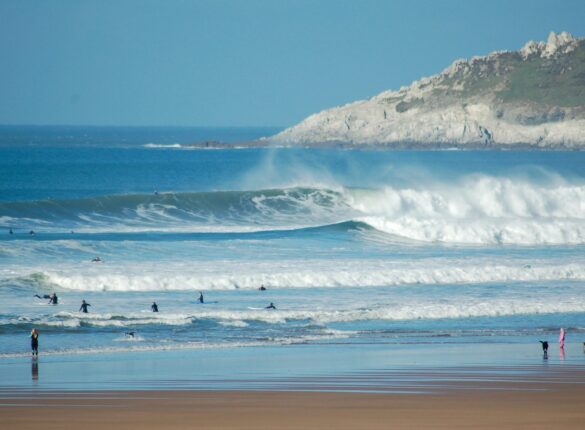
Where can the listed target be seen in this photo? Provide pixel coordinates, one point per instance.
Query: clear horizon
(226, 63)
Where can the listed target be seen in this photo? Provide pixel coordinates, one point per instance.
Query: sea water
(352, 246)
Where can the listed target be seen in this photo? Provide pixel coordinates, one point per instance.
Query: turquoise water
(408, 247)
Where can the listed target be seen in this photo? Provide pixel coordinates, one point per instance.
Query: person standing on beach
(83, 307)
(34, 342)
(562, 338)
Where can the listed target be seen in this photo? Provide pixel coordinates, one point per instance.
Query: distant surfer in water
(200, 299)
(270, 306)
(83, 307)
(262, 288)
(10, 232)
(34, 342)
(154, 307)
(53, 299)
(97, 260)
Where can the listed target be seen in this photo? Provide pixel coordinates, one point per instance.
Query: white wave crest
(229, 275)
(478, 210)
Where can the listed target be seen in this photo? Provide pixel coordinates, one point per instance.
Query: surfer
(53, 299)
(262, 288)
(83, 307)
(270, 306)
(32, 232)
(130, 334)
(200, 299)
(154, 307)
(97, 260)
(34, 342)
(10, 232)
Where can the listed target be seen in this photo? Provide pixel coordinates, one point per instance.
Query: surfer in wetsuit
(34, 342)
(270, 306)
(83, 307)
(200, 299)
(97, 260)
(154, 307)
(262, 288)
(53, 299)
(10, 232)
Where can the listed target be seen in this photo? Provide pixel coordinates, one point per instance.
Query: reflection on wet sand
(35, 369)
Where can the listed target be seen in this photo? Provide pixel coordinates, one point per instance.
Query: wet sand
(555, 400)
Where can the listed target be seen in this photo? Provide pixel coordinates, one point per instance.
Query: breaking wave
(476, 210)
(294, 274)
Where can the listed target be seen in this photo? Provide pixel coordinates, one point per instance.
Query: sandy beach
(560, 407)
(480, 398)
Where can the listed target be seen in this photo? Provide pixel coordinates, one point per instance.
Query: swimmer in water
(154, 307)
(83, 307)
(270, 306)
(34, 342)
(200, 299)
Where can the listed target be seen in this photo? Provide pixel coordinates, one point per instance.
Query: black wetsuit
(201, 298)
(154, 307)
(53, 300)
(34, 343)
(271, 306)
(83, 307)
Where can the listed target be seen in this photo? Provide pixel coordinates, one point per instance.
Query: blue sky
(238, 63)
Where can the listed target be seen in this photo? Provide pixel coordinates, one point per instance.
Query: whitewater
(352, 246)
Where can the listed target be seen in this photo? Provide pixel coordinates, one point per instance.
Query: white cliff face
(472, 102)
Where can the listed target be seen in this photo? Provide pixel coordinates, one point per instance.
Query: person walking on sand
(34, 342)
(83, 307)
(562, 338)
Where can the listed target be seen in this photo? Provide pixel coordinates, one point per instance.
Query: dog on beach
(544, 347)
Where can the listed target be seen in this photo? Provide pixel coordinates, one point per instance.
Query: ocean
(356, 247)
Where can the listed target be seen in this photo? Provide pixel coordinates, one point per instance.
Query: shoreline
(334, 367)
